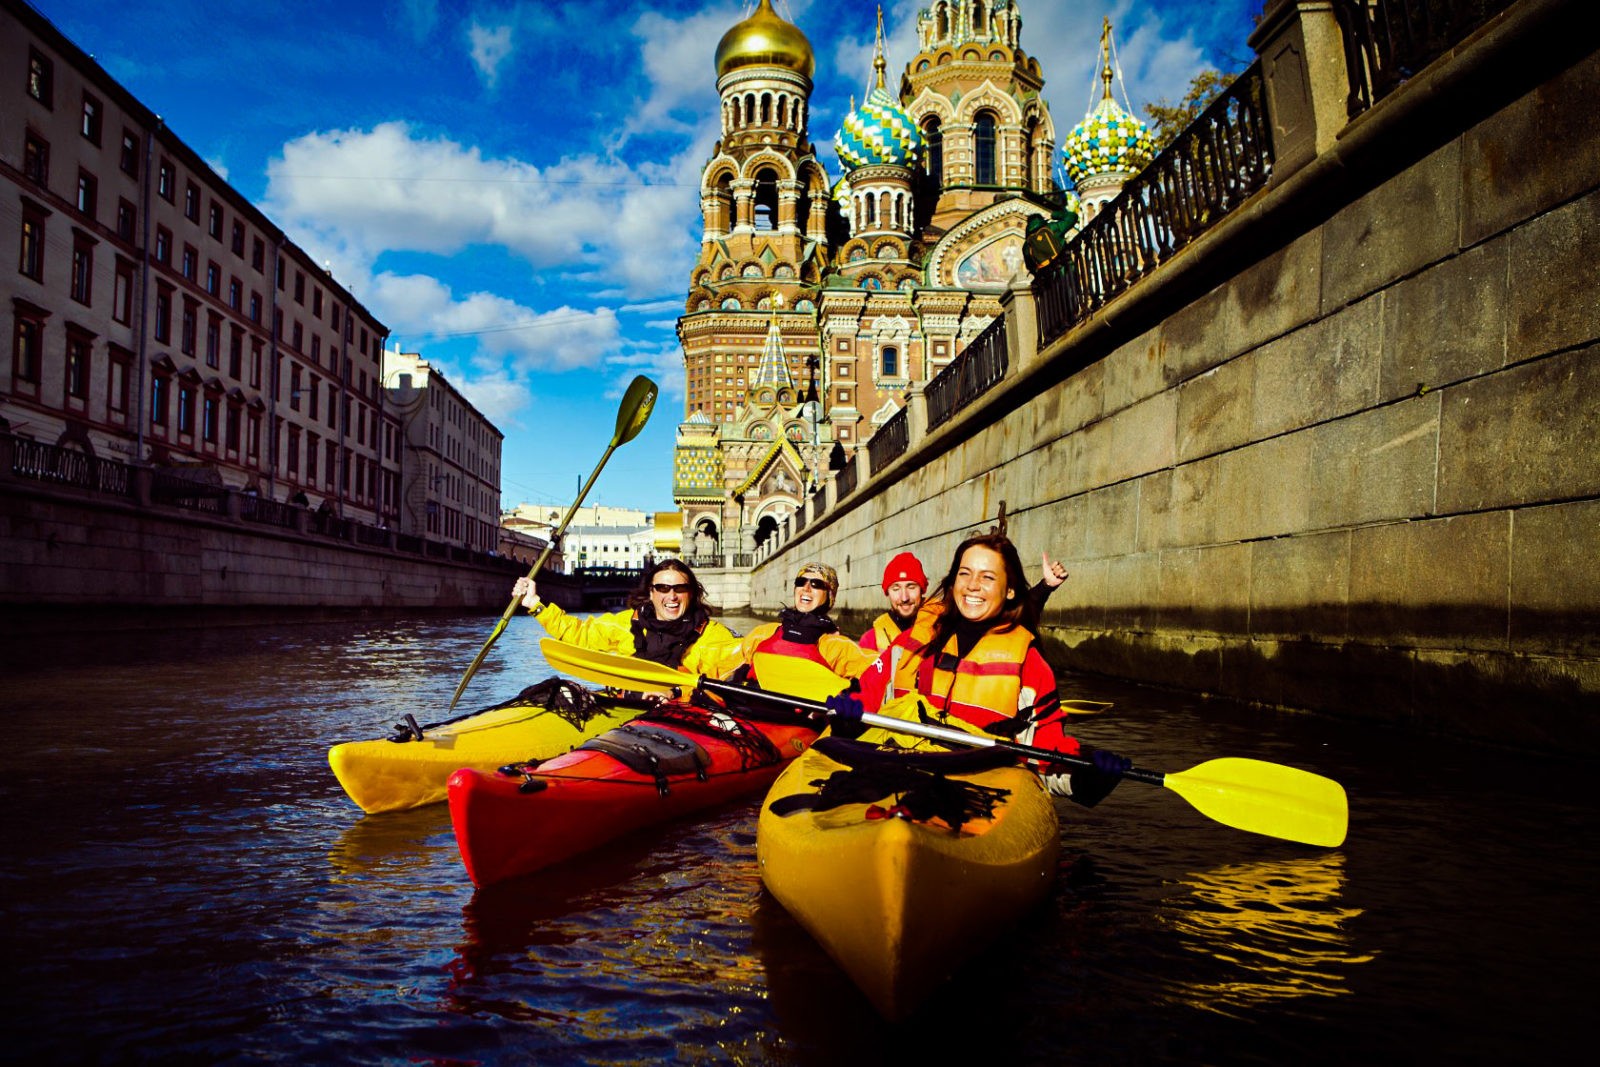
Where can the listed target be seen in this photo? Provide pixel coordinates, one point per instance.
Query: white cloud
(491, 46)
(676, 57)
(391, 189)
(509, 336)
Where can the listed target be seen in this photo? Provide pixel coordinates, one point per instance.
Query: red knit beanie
(904, 568)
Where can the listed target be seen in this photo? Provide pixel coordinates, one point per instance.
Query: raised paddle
(1246, 794)
(631, 417)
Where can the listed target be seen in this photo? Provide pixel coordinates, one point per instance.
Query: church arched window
(983, 148)
(802, 208)
(1028, 153)
(977, 17)
(891, 361)
(766, 199)
(933, 140)
(722, 193)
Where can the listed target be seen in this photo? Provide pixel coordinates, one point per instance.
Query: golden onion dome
(765, 40)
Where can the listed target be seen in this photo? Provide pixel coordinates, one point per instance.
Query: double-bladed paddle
(1247, 794)
(637, 403)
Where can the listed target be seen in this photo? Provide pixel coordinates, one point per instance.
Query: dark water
(183, 880)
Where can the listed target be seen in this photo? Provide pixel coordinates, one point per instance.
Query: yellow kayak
(905, 865)
(411, 767)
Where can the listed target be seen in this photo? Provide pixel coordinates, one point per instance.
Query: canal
(184, 881)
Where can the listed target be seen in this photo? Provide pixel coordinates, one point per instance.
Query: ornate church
(817, 303)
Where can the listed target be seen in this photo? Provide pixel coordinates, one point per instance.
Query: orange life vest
(886, 630)
(981, 688)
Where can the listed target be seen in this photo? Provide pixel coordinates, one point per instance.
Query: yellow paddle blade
(1266, 798)
(797, 677)
(608, 668)
(1084, 707)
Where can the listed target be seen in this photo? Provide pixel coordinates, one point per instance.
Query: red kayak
(668, 762)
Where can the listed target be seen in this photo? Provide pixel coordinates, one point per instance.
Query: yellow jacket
(614, 633)
(835, 651)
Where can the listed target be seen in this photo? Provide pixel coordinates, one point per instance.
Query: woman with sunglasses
(804, 631)
(666, 620)
(973, 654)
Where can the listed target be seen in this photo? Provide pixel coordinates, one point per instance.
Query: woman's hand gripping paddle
(637, 403)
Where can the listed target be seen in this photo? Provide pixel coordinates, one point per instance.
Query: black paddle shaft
(1021, 751)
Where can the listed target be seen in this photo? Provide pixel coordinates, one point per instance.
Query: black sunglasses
(815, 583)
(663, 588)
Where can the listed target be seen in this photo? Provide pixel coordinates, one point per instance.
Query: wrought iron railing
(844, 481)
(253, 508)
(890, 442)
(65, 466)
(1388, 41)
(979, 366)
(52, 464)
(1212, 167)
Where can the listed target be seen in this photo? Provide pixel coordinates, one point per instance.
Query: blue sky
(511, 187)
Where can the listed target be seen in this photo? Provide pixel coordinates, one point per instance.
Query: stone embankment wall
(1342, 453)
(64, 550)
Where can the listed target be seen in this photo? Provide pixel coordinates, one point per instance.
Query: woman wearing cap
(906, 586)
(978, 660)
(666, 620)
(804, 631)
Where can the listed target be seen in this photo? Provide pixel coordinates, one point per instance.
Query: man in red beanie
(905, 584)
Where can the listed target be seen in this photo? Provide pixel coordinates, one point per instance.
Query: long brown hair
(640, 597)
(1019, 609)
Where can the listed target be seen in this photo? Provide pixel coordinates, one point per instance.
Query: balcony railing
(979, 366)
(1388, 41)
(1212, 167)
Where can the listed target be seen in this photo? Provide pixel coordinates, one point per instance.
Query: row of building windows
(206, 309)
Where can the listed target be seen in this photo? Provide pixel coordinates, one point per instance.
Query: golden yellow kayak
(903, 865)
(411, 767)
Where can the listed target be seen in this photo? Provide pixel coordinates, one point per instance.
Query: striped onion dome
(879, 131)
(1109, 140)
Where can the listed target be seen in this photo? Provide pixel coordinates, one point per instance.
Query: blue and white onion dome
(1109, 140)
(878, 132)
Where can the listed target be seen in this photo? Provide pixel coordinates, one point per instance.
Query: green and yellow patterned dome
(1110, 140)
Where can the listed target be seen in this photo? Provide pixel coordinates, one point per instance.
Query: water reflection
(186, 882)
(644, 941)
(1273, 930)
